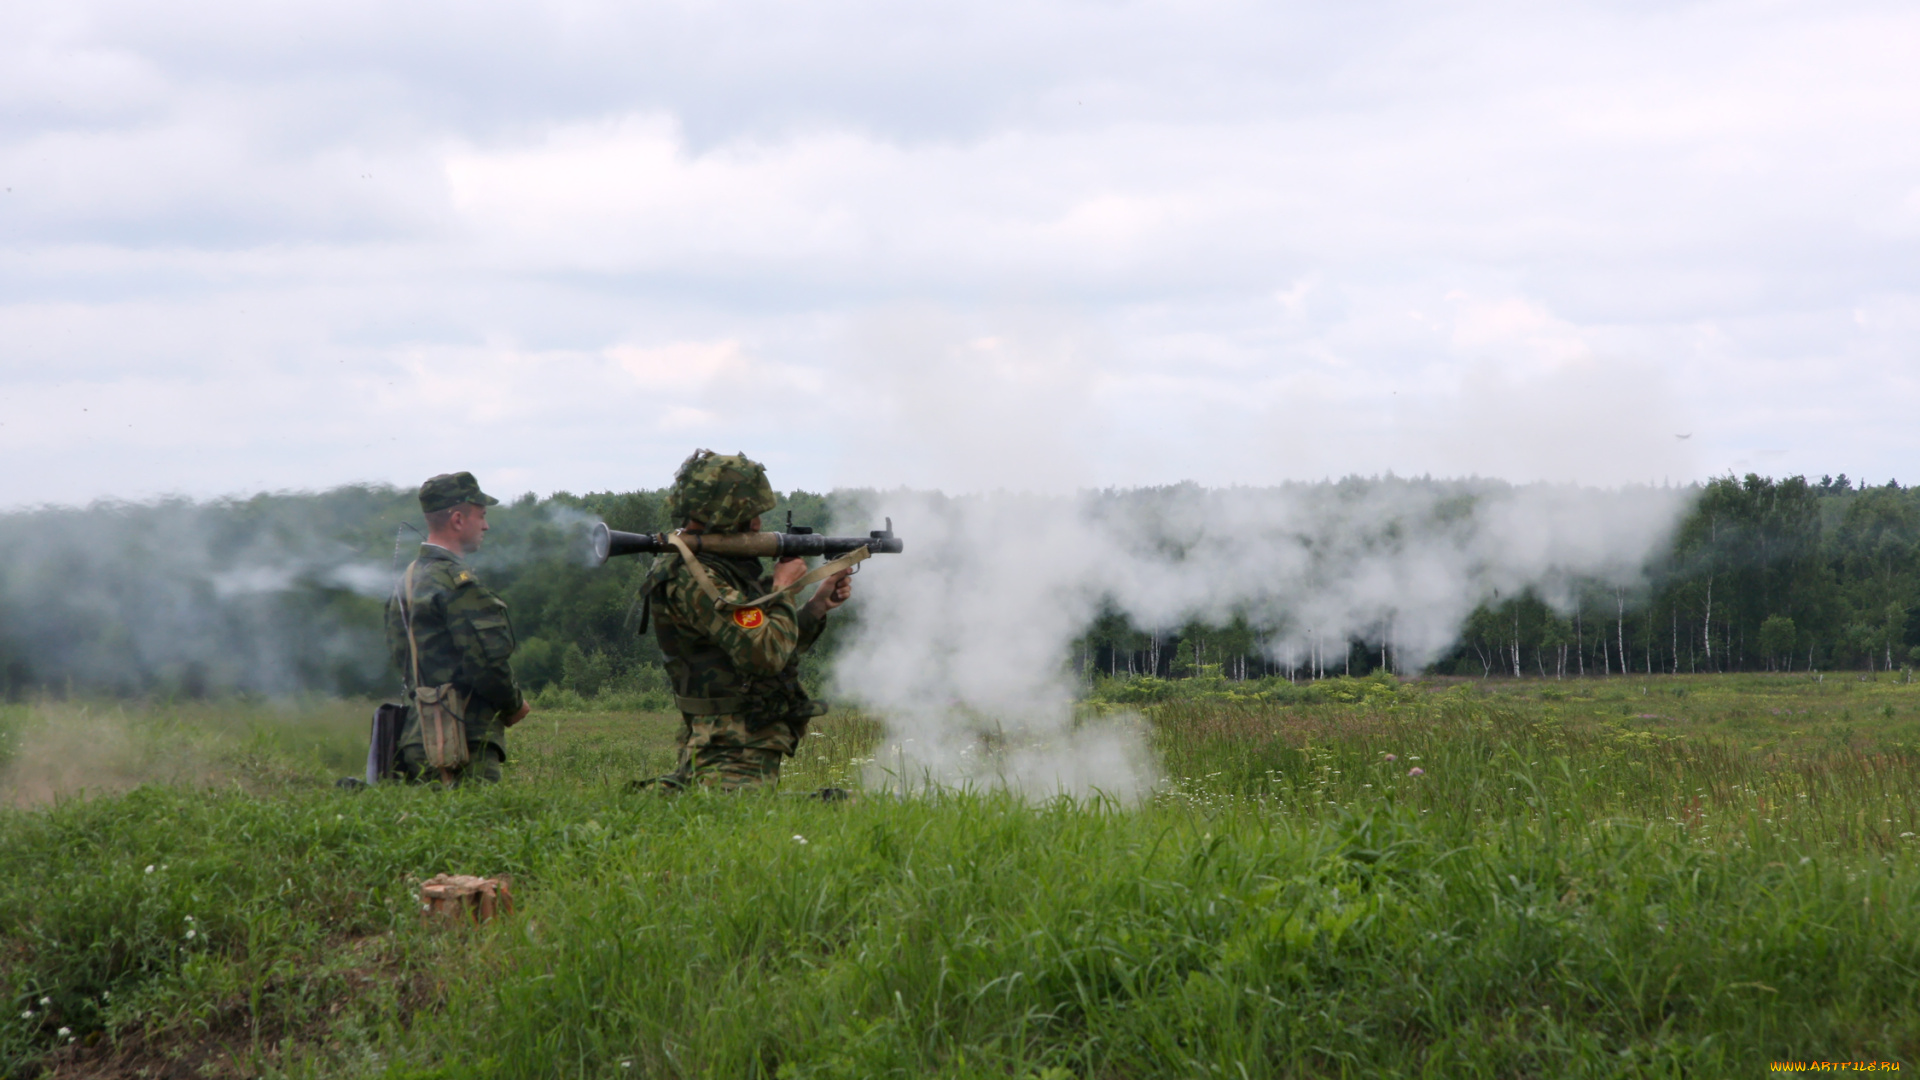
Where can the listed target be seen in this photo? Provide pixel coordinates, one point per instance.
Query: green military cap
(452, 489)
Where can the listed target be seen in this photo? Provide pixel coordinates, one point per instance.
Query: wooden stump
(460, 896)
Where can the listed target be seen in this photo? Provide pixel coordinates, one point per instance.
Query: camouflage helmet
(721, 491)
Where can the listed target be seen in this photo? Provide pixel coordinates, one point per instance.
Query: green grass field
(1627, 877)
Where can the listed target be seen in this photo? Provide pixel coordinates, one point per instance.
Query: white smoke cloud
(276, 594)
(964, 641)
(195, 597)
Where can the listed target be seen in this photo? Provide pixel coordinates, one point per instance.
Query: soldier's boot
(669, 784)
(739, 768)
(672, 783)
(411, 764)
(483, 765)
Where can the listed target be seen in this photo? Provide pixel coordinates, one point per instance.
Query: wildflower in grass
(65, 1032)
(1416, 771)
(1391, 757)
(149, 868)
(27, 1015)
(46, 1002)
(798, 839)
(191, 934)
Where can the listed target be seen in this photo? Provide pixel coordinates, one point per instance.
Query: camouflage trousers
(483, 764)
(720, 752)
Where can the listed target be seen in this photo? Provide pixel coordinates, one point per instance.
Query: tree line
(282, 593)
(1762, 575)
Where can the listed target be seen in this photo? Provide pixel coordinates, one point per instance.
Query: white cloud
(1040, 245)
(680, 364)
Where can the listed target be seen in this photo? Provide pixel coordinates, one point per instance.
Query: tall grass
(1557, 894)
(1483, 761)
(61, 749)
(975, 936)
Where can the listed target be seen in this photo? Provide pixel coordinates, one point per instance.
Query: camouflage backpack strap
(705, 581)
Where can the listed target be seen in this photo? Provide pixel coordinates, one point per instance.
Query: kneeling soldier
(451, 639)
(733, 650)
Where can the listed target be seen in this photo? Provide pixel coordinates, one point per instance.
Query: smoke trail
(274, 595)
(268, 594)
(963, 643)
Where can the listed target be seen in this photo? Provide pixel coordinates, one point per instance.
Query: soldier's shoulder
(662, 568)
(468, 589)
(446, 574)
(674, 577)
(673, 569)
(456, 583)
(682, 595)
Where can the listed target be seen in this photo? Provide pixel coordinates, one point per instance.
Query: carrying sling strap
(819, 573)
(406, 618)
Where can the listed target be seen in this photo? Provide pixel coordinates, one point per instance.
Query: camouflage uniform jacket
(465, 639)
(741, 662)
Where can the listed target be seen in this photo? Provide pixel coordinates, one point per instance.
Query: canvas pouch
(443, 725)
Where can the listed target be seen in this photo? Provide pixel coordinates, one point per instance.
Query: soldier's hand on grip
(788, 571)
(832, 592)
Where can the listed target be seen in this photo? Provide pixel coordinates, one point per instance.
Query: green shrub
(536, 664)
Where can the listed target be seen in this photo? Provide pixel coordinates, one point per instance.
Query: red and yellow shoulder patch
(749, 618)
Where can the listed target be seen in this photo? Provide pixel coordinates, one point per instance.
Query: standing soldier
(451, 639)
(732, 634)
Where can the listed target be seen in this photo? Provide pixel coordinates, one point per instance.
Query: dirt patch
(67, 751)
(135, 1055)
(233, 1047)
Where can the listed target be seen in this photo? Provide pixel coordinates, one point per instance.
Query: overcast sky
(255, 246)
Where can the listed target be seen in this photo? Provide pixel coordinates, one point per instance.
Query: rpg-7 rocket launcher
(795, 542)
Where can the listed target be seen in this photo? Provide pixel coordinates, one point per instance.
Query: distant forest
(1773, 575)
(282, 593)
(1762, 575)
